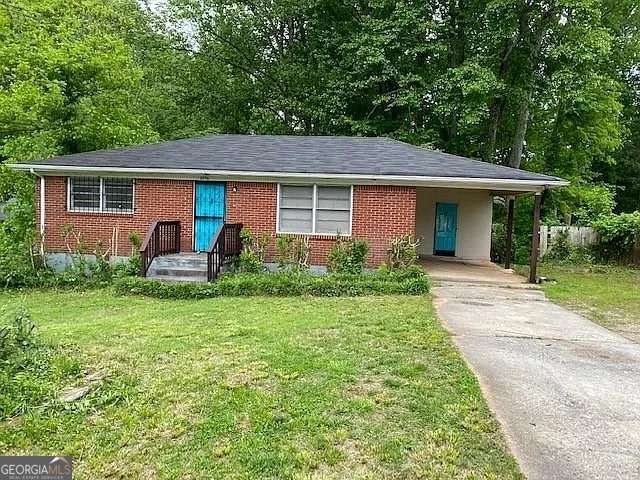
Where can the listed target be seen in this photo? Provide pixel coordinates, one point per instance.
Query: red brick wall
(155, 199)
(380, 213)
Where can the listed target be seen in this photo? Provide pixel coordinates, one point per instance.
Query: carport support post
(509, 241)
(535, 240)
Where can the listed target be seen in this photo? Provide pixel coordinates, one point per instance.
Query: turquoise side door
(446, 226)
(209, 212)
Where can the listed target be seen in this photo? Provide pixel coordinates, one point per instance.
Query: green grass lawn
(608, 295)
(259, 388)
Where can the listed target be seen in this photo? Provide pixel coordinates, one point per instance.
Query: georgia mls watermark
(35, 468)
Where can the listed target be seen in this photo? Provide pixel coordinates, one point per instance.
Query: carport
(449, 270)
(454, 225)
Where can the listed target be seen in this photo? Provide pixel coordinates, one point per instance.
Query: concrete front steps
(181, 267)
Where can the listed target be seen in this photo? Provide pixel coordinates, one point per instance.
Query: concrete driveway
(566, 391)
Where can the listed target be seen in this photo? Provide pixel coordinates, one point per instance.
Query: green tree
(70, 81)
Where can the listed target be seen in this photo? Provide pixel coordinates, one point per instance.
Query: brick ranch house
(374, 189)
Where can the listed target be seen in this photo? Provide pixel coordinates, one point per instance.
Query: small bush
(499, 243)
(130, 267)
(411, 281)
(564, 252)
(136, 242)
(293, 252)
(251, 259)
(82, 274)
(403, 252)
(17, 335)
(347, 256)
(248, 262)
(399, 274)
(30, 370)
(619, 237)
(19, 242)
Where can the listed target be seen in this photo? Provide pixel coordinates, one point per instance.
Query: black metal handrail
(162, 238)
(225, 244)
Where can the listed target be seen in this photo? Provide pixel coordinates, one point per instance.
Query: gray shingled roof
(295, 154)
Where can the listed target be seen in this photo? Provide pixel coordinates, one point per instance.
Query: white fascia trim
(282, 177)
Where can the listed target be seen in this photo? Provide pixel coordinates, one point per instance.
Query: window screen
(109, 195)
(117, 195)
(84, 194)
(330, 206)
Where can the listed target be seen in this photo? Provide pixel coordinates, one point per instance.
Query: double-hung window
(100, 195)
(314, 209)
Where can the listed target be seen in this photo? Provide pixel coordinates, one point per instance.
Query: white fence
(578, 236)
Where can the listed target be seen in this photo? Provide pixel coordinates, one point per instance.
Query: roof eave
(285, 177)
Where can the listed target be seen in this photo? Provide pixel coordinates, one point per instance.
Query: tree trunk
(494, 120)
(497, 103)
(517, 145)
(456, 56)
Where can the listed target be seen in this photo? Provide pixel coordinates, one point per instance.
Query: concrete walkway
(566, 391)
(443, 269)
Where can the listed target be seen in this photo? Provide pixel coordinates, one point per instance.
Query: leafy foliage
(284, 284)
(293, 252)
(619, 236)
(581, 204)
(564, 252)
(20, 260)
(499, 243)
(347, 256)
(73, 89)
(253, 253)
(17, 334)
(29, 368)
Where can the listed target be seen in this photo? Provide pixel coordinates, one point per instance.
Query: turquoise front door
(446, 226)
(209, 212)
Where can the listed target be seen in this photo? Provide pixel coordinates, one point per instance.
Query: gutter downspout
(42, 210)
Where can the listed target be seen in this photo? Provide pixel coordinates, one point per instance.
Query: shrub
(347, 256)
(499, 243)
(406, 282)
(136, 242)
(402, 252)
(20, 259)
(619, 236)
(254, 249)
(293, 252)
(130, 267)
(30, 370)
(398, 274)
(248, 262)
(17, 334)
(19, 266)
(564, 252)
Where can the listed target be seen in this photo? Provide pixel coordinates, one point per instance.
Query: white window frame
(101, 209)
(313, 214)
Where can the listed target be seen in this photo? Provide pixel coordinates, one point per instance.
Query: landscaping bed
(409, 281)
